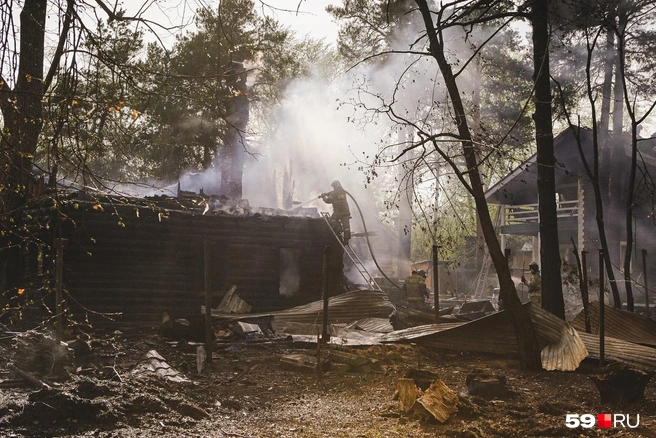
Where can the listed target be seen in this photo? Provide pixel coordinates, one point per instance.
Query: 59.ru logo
(603, 421)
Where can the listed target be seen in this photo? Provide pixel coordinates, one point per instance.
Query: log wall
(139, 262)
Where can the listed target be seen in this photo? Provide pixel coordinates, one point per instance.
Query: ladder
(368, 278)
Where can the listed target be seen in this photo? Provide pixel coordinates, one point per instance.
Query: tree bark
(234, 149)
(22, 107)
(404, 220)
(529, 352)
(552, 288)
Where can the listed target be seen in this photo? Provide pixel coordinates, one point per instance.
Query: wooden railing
(526, 213)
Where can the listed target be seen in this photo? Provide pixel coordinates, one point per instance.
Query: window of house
(290, 271)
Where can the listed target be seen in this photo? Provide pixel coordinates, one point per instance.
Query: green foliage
(496, 91)
(92, 129)
(119, 113)
(187, 103)
(366, 27)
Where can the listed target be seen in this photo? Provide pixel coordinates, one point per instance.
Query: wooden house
(130, 260)
(517, 197)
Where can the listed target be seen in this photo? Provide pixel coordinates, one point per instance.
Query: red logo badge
(604, 421)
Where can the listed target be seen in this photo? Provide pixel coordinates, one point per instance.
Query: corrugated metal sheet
(561, 347)
(564, 349)
(372, 325)
(354, 339)
(232, 303)
(619, 324)
(636, 355)
(342, 309)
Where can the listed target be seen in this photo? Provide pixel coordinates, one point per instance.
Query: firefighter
(416, 291)
(534, 284)
(340, 220)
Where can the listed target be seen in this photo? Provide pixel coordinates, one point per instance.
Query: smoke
(335, 130)
(327, 130)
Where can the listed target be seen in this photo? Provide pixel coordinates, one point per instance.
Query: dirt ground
(248, 392)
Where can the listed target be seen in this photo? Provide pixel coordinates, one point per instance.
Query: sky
(303, 16)
(311, 17)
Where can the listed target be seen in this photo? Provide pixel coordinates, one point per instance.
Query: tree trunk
(22, 107)
(529, 352)
(476, 103)
(618, 104)
(552, 288)
(630, 189)
(608, 84)
(234, 149)
(404, 220)
(630, 194)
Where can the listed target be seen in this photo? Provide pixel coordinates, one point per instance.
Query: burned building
(517, 196)
(130, 260)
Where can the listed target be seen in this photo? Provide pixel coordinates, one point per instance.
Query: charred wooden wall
(136, 261)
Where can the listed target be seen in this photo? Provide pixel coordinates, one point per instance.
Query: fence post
(644, 272)
(436, 285)
(602, 311)
(325, 336)
(585, 295)
(208, 301)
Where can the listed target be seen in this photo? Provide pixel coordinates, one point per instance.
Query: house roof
(520, 186)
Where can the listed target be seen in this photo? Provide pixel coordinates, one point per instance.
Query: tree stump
(486, 385)
(621, 384)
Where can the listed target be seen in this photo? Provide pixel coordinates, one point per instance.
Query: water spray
(304, 203)
(366, 235)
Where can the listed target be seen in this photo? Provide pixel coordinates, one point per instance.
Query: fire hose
(371, 251)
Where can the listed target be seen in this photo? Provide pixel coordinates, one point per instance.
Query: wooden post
(436, 285)
(325, 336)
(59, 288)
(585, 294)
(601, 307)
(506, 252)
(644, 272)
(207, 256)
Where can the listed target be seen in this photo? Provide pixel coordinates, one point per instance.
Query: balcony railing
(527, 213)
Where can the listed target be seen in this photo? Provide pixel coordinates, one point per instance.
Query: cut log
(422, 378)
(620, 384)
(439, 401)
(407, 394)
